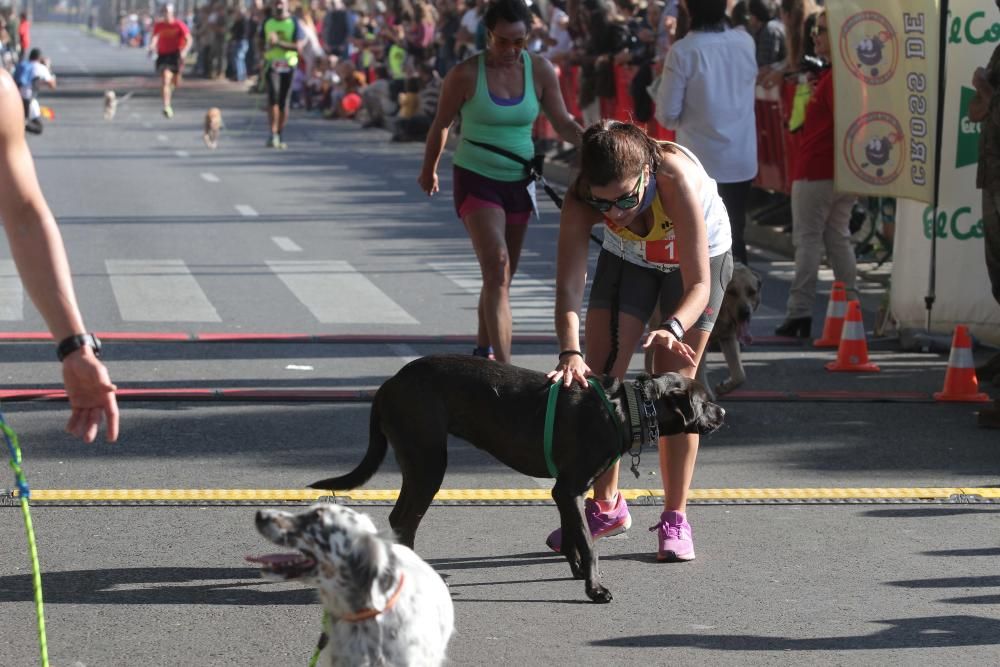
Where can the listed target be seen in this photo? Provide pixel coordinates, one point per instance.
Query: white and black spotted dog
(384, 605)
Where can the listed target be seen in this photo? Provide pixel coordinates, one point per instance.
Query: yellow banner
(885, 68)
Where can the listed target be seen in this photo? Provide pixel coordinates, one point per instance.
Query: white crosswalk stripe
(158, 290)
(532, 301)
(11, 292)
(336, 293)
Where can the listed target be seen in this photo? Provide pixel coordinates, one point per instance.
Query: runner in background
(283, 40)
(171, 41)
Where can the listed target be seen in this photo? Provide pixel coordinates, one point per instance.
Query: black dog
(501, 409)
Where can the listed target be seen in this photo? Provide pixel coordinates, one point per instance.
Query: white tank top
(657, 249)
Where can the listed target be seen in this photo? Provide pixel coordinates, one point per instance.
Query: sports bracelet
(571, 353)
(674, 326)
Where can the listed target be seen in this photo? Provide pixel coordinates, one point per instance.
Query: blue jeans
(240, 57)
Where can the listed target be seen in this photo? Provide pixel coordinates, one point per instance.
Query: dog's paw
(727, 386)
(599, 594)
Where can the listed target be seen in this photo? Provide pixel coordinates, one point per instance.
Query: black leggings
(734, 196)
(278, 86)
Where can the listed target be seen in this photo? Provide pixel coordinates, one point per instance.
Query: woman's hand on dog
(664, 338)
(571, 368)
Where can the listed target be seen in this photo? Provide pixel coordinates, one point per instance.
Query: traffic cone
(960, 383)
(836, 309)
(852, 353)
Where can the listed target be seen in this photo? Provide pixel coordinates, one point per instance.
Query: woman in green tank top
(499, 94)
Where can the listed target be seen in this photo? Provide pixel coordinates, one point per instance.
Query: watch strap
(71, 344)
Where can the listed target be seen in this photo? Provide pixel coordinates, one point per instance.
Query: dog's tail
(377, 446)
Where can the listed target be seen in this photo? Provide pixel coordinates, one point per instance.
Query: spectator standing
(171, 41)
(338, 26)
(24, 35)
(283, 40)
(706, 95)
(768, 33)
(985, 109)
(820, 214)
(793, 14)
(499, 93)
(40, 257)
(239, 36)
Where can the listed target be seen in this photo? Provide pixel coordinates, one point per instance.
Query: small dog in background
(110, 104)
(732, 327)
(213, 127)
(385, 605)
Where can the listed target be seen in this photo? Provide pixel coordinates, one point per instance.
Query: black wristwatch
(674, 326)
(70, 345)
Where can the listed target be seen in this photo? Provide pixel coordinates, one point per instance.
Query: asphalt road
(333, 237)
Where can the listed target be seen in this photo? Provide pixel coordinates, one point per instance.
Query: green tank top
(288, 31)
(505, 126)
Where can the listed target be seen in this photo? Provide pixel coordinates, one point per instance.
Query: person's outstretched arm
(38, 251)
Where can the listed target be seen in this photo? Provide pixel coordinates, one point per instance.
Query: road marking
(336, 293)
(406, 353)
(286, 244)
(11, 292)
(942, 494)
(246, 211)
(211, 178)
(162, 137)
(158, 290)
(182, 154)
(532, 301)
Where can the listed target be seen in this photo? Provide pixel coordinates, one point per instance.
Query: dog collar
(642, 424)
(365, 614)
(354, 617)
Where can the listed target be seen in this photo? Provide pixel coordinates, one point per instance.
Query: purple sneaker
(675, 542)
(602, 524)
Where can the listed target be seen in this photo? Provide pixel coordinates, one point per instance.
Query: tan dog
(110, 104)
(213, 127)
(732, 328)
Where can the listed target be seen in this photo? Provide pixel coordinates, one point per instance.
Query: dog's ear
(370, 562)
(759, 279)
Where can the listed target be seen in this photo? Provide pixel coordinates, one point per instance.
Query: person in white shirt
(706, 94)
(29, 75)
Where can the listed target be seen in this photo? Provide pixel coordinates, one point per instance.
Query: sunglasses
(504, 43)
(624, 203)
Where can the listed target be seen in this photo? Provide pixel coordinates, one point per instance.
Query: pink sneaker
(602, 524)
(675, 542)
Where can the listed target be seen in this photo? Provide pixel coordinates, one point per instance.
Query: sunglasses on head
(624, 203)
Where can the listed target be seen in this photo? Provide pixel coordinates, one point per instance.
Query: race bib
(281, 66)
(661, 252)
(532, 192)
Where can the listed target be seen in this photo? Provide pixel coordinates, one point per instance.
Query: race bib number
(281, 66)
(661, 252)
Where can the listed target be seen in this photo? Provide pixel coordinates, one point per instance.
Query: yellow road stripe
(306, 495)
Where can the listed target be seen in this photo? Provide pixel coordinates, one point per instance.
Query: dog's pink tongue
(744, 333)
(273, 559)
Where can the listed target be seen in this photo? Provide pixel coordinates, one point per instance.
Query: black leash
(534, 167)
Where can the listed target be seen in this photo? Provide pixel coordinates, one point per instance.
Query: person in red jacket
(820, 214)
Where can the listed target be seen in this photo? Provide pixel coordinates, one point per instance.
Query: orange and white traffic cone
(852, 353)
(960, 383)
(836, 310)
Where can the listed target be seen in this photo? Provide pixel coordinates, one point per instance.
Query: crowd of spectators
(15, 37)
(382, 61)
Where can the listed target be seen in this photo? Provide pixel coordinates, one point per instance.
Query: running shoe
(601, 524)
(274, 141)
(168, 111)
(676, 544)
(281, 143)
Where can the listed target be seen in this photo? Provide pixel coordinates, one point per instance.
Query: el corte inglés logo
(874, 147)
(869, 47)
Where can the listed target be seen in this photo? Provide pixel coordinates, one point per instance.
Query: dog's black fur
(501, 409)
